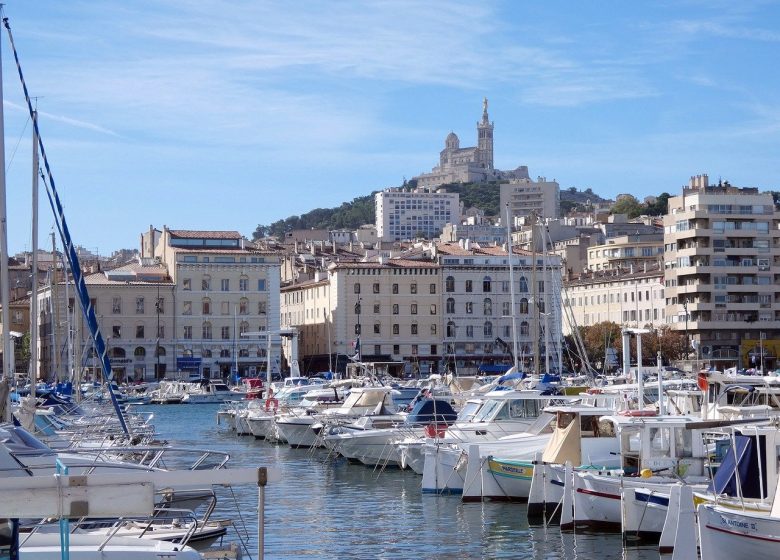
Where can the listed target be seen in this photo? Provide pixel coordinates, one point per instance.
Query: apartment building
(195, 303)
(627, 251)
(722, 259)
(628, 297)
(403, 214)
(525, 196)
(477, 302)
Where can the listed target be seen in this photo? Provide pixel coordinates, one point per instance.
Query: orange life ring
(269, 401)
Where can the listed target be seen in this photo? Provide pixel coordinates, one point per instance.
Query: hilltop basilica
(469, 165)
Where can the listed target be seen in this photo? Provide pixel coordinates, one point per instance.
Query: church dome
(452, 141)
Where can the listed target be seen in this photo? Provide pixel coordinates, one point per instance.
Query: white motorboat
(211, 392)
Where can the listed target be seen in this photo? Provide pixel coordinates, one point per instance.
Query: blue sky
(224, 115)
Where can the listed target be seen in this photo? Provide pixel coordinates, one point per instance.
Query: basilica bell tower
(485, 138)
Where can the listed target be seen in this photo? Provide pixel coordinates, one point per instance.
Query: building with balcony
(722, 260)
(627, 252)
(628, 297)
(526, 197)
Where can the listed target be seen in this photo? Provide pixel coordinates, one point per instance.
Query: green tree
(629, 205)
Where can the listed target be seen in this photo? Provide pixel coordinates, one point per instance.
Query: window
(224, 353)
(469, 331)
(357, 329)
(506, 309)
(139, 305)
(433, 330)
(205, 283)
(433, 309)
(450, 305)
(243, 353)
(376, 309)
(488, 329)
(225, 308)
(414, 309)
(505, 286)
(468, 286)
(377, 349)
(377, 328)
(161, 331)
(357, 288)
(395, 309)
(243, 328)
(225, 333)
(243, 284)
(206, 306)
(225, 284)
(187, 332)
(139, 331)
(486, 284)
(433, 288)
(261, 285)
(469, 307)
(449, 284)
(396, 329)
(261, 308)
(139, 352)
(414, 328)
(434, 349)
(395, 288)
(116, 306)
(524, 328)
(186, 284)
(116, 331)
(396, 349)
(413, 288)
(450, 329)
(415, 349)
(206, 331)
(243, 306)
(376, 288)
(159, 305)
(523, 285)
(487, 306)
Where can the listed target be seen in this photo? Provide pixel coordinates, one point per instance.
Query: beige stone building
(723, 271)
(627, 252)
(630, 298)
(182, 309)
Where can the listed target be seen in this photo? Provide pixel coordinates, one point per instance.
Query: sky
(225, 115)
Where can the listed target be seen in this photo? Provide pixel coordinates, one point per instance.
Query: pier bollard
(262, 480)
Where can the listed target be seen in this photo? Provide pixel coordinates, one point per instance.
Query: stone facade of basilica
(469, 165)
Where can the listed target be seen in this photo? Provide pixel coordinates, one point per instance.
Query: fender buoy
(702, 381)
(271, 401)
(435, 430)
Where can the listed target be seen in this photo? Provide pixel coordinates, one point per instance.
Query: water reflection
(326, 508)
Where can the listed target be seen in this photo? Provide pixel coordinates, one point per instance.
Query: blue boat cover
(511, 376)
(427, 411)
(494, 368)
(738, 474)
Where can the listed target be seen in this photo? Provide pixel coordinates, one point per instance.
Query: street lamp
(358, 331)
(687, 339)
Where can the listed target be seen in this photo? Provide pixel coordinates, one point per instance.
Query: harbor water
(327, 508)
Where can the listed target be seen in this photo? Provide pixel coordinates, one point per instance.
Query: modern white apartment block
(628, 297)
(403, 215)
(524, 196)
(722, 258)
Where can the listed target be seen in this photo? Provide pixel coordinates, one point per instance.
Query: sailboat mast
(512, 291)
(55, 311)
(534, 295)
(34, 319)
(546, 300)
(4, 281)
